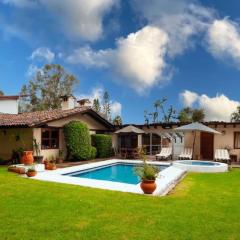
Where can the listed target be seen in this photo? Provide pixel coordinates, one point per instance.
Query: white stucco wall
(9, 106)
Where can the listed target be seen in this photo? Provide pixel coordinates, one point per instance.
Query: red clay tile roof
(40, 117)
(9, 97)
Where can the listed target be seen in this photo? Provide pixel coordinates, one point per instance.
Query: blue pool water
(123, 173)
(199, 163)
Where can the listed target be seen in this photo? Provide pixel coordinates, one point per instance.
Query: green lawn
(203, 206)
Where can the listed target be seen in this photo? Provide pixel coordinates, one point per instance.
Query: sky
(137, 50)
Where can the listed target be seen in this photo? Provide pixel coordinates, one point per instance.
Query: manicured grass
(203, 206)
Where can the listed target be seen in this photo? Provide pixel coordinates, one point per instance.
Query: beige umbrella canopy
(130, 129)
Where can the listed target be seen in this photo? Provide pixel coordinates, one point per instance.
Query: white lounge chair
(222, 155)
(165, 153)
(186, 154)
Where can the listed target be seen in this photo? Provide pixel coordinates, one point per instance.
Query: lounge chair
(222, 155)
(186, 154)
(165, 153)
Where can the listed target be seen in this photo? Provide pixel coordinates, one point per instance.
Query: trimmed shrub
(93, 152)
(103, 143)
(78, 140)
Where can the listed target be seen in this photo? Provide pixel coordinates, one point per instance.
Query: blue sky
(139, 50)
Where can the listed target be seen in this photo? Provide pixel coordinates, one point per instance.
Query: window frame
(234, 140)
(50, 130)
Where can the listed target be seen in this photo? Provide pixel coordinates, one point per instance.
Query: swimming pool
(119, 172)
(167, 178)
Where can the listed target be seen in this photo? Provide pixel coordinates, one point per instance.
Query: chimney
(84, 102)
(68, 102)
(9, 104)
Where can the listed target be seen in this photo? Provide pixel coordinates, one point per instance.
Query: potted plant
(27, 158)
(148, 174)
(36, 147)
(60, 158)
(12, 168)
(51, 165)
(31, 172)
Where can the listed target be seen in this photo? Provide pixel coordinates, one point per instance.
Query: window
(50, 138)
(237, 140)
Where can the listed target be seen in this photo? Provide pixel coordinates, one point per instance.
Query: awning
(130, 129)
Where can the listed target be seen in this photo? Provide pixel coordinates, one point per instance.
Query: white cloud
(32, 69)
(43, 53)
(138, 60)
(81, 18)
(181, 19)
(116, 108)
(97, 93)
(224, 40)
(188, 98)
(90, 58)
(218, 108)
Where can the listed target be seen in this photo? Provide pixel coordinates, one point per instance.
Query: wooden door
(207, 141)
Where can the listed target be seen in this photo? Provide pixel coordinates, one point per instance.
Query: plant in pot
(148, 174)
(31, 172)
(36, 148)
(12, 168)
(51, 165)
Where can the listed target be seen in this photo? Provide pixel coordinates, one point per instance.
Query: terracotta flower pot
(148, 186)
(50, 166)
(31, 174)
(27, 158)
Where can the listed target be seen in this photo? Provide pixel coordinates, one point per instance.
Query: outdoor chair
(166, 153)
(186, 154)
(222, 155)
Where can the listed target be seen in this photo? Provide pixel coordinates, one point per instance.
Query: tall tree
(235, 117)
(146, 119)
(1, 93)
(198, 115)
(191, 115)
(185, 115)
(117, 120)
(170, 115)
(96, 105)
(44, 90)
(106, 105)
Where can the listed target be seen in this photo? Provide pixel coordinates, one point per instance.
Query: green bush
(78, 141)
(93, 152)
(103, 143)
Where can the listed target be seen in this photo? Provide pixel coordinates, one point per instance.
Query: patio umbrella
(196, 127)
(130, 129)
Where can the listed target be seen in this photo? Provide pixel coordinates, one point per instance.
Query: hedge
(103, 144)
(78, 141)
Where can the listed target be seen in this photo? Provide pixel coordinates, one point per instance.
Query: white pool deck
(167, 178)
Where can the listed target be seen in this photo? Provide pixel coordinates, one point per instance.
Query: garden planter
(38, 159)
(148, 186)
(31, 174)
(27, 158)
(50, 166)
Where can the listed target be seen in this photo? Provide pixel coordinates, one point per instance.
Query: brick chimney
(68, 102)
(84, 102)
(9, 104)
